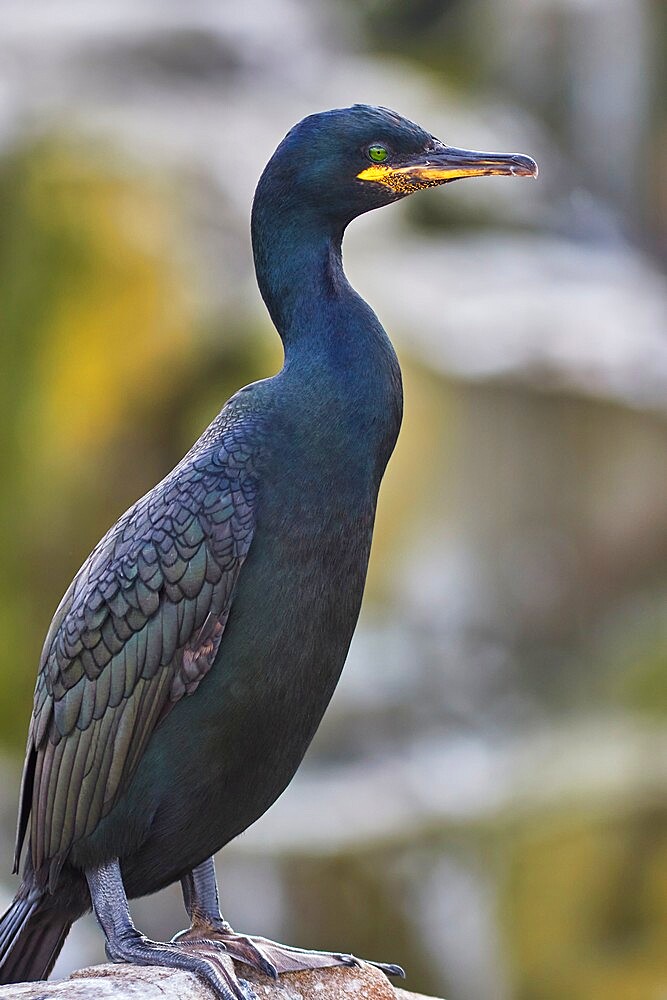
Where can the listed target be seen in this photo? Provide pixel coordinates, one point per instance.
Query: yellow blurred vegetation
(121, 325)
(586, 907)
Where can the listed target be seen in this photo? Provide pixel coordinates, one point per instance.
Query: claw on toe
(268, 968)
(388, 968)
(391, 970)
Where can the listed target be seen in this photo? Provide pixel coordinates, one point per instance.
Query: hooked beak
(446, 163)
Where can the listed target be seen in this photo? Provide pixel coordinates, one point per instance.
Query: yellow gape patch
(404, 180)
(401, 180)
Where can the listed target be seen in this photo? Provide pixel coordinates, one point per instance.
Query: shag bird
(189, 664)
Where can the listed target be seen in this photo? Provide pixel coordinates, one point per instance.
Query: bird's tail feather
(32, 932)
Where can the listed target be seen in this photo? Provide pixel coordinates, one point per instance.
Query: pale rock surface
(123, 982)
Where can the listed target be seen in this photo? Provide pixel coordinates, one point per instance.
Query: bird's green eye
(377, 153)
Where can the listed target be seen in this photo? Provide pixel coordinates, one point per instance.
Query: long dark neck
(334, 343)
(300, 273)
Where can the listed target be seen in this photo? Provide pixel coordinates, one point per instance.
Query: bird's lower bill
(450, 165)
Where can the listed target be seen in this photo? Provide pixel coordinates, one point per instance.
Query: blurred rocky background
(486, 802)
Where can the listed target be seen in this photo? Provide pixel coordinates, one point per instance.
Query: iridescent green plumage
(137, 630)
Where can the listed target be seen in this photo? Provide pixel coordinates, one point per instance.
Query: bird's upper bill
(446, 163)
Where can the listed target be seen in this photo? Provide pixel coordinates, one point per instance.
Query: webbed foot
(270, 957)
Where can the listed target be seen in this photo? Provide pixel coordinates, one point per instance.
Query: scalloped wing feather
(138, 629)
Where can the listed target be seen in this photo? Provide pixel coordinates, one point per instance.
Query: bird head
(345, 162)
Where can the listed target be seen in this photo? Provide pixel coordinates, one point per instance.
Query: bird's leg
(124, 943)
(200, 894)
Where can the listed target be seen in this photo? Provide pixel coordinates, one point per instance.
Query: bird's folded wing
(137, 630)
